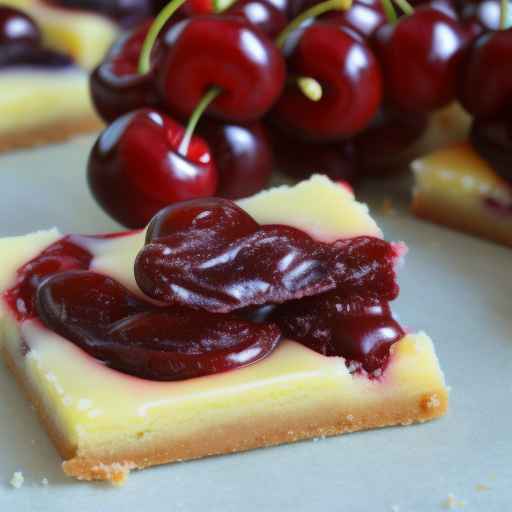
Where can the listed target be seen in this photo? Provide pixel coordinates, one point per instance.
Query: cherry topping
(105, 320)
(356, 328)
(260, 13)
(493, 141)
(222, 266)
(62, 255)
(486, 83)
(420, 57)
(225, 52)
(242, 155)
(16, 28)
(116, 85)
(349, 75)
(135, 168)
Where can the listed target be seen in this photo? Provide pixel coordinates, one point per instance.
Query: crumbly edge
(58, 131)
(262, 432)
(443, 214)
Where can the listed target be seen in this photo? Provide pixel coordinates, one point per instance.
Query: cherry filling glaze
(233, 289)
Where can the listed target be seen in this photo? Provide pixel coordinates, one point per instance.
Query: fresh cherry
(261, 14)
(485, 13)
(356, 328)
(224, 52)
(300, 160)
(420, 57)
(135, 167)
(493, 141)
(116, 85)
(486, 81)
(208, 254)
(382, 148)
(128, 13)
(365, 17)
(16, 28)
(109, 323)
(349, 75)
(242, 155)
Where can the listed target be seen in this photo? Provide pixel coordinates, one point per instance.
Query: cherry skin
(382, 148)
(493, 141)
(420, 57)
(261, 14)
(127, 13)
(337, 160)
(486, 14)
(135, 169)
(16, 28)
(365, 17)
(242, 155)
(116, 85)
(351, 81)
(486, 83)
(225, 52)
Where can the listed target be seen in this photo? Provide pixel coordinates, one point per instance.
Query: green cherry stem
(389, 11)
(210, 96)
(504, 15)
(310, 87)
(312, 12)
(154, 30)
(405, 6)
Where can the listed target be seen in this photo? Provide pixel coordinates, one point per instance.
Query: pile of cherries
(217, 291)
(340, 92)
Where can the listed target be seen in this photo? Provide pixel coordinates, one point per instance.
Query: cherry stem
(310, 87)
(154, 30)
(312, 12)
(504, 15)
(405, 6)
(390, 11)
(212, 93)
(222, 5)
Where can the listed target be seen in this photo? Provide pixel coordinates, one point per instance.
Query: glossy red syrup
(241, 286)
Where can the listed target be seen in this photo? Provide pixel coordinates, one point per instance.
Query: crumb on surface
(17, 479)
(117, 472)
(482, 487)
(452, 502)
(44, 481)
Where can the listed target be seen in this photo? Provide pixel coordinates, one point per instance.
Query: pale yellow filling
(31, 98)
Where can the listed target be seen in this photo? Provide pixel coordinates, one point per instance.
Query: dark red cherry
(420, 57)
(65, 254)
(365, 17)
(109, 323)
(242, 155)
(116, 85)
(135, 168)
(485, 82)
(127, 13)
(261, 14)
(493, 141)
(382, 149)
(225, 52)
(350, 78)
(221, 261)
(16, 28)
(356, 328)
(300, 159)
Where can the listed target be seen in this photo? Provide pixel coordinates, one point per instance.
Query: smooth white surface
(457, 288)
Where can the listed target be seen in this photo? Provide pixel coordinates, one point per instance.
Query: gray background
(457, 288)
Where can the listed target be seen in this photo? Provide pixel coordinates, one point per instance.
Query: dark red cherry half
(242, 155)
(420, 57)
(485, 82)
(109, 323)
(350, 78)
(356, 328)
(228, 53)
(222, 261)
(16, 28)
(135, 168)
(116, 85)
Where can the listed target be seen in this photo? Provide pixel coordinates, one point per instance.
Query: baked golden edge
(58, 131)
(262, 432)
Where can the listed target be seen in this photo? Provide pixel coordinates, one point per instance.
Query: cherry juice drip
(343, 314)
